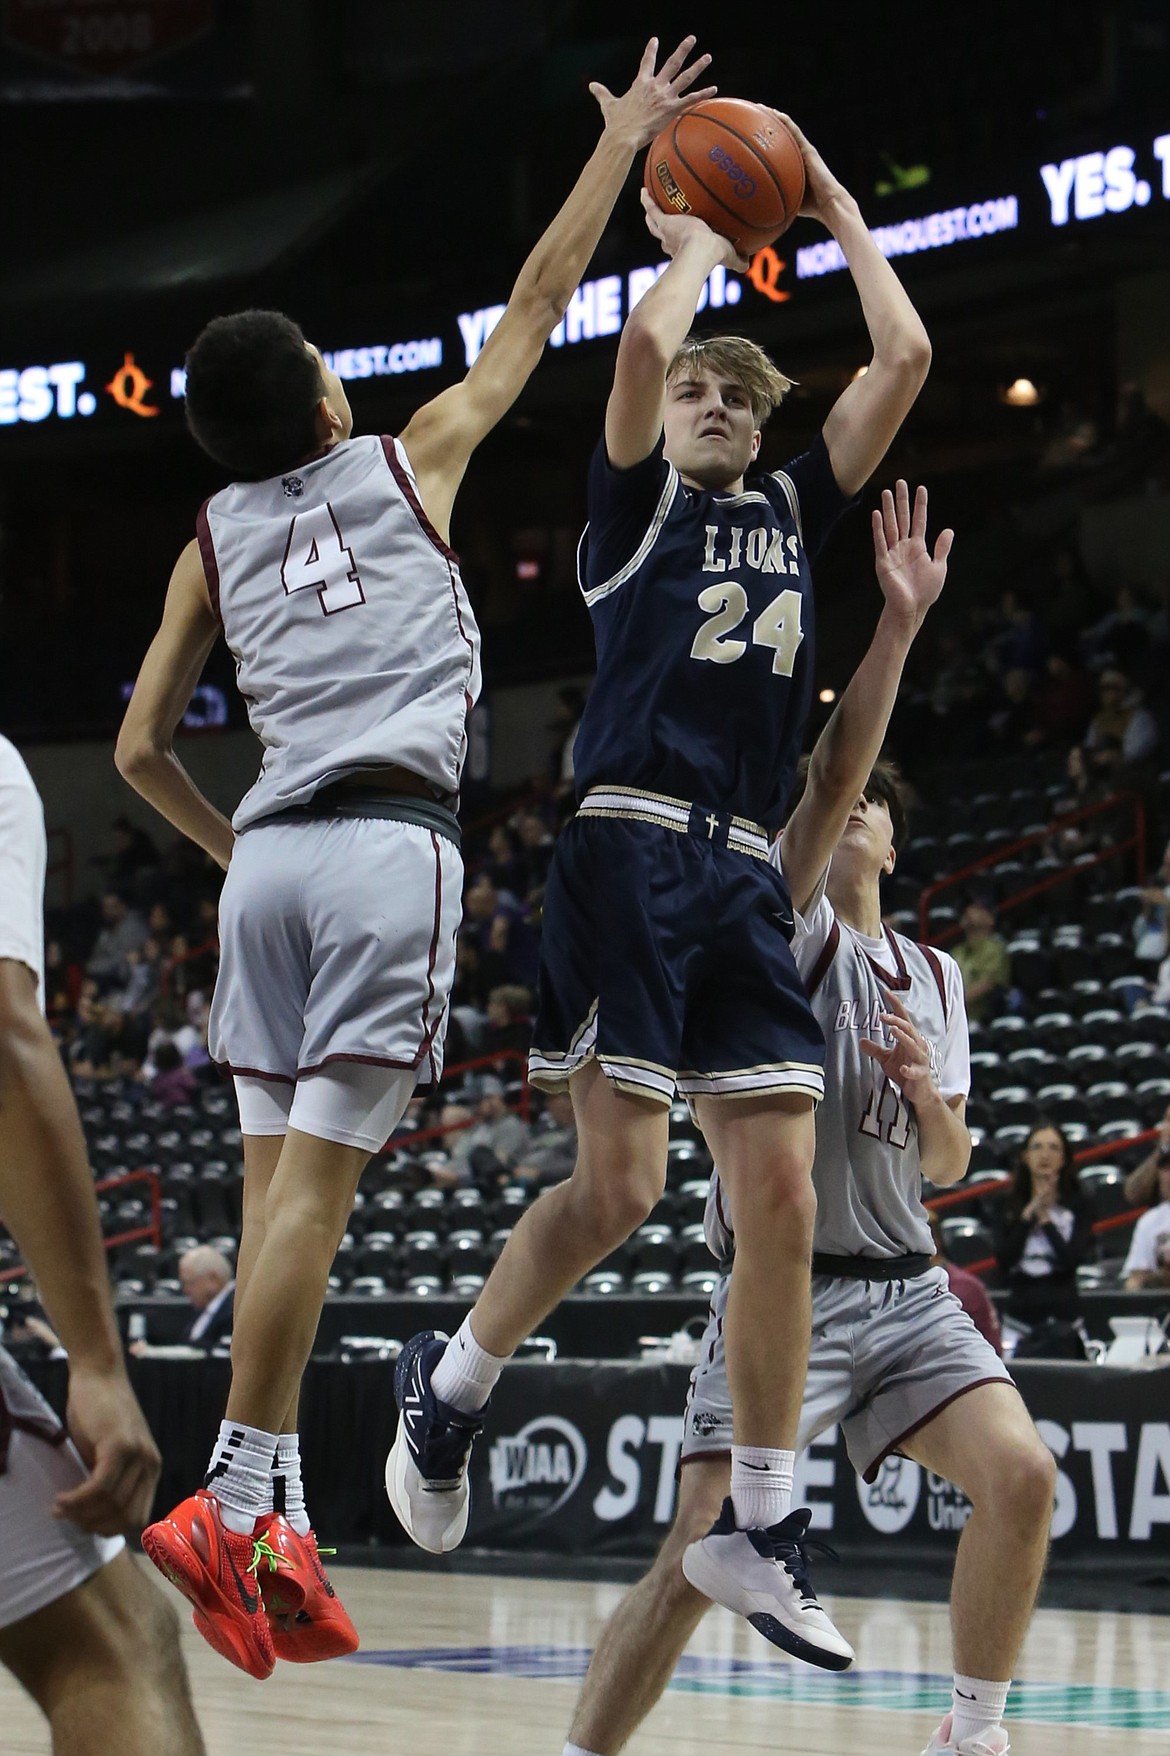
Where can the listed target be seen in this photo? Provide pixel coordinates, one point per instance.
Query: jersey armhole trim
(936, 971)
(207, 556)
(793, 499)
(410, 494)
(665, 502)
(820, 968)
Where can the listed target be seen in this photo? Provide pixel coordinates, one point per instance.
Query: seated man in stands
(208, 1281)
(984, 961)
(1147, 1266)
(551, 1152)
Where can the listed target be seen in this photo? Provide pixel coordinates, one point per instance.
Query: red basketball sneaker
(215, 1569)
(304, 1612)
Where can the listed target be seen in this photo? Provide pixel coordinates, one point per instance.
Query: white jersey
(354, 641)
(22, 866)
(868, 1170)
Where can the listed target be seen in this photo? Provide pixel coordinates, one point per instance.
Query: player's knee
(614, 1206)
(1018, 1481)
(778, 1196)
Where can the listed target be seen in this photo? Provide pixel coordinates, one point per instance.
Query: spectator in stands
(983, 961)
(509, 1024)
(1142, 1184)
(968, 1289)
(135, 860)
(173, 1083)
(94, 1052)
(536, 849)
(551, 1152)
(1022, 643)
(208, 1281)
(505, 942)
(1013, 715)
(563, 726)
(124, 930)
(485, 1152)
(1151, 929)
(1122, 715)
(1120, 635)
(1046, 1230)
(504, 866)
(1061, 705)
(1148, 1263)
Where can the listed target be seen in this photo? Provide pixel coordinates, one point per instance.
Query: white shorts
(886, 1357)
(41, 1557)
(22, 865)
(337, 943)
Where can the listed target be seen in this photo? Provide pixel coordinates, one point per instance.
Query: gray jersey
(355, 644)
(868, 1169)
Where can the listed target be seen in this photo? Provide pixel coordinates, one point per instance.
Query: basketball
(733, 164)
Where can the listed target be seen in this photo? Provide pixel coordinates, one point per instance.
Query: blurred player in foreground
(328, 570)
(665, 958)
(82, 1629)
(895, 1358)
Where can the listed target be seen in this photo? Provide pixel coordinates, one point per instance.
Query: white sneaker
(426, 1471)
(993, 1742)
(763, 1576)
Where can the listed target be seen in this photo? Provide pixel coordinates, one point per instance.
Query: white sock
(466, 1375)
(577, 1750)
(240, 1474)
(288, 1490)
(761, 1485)
(977, 1705)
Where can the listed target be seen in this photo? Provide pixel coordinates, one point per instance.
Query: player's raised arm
(869, 412)
(144, 753)
(441, 436)
(656, 329)
(911, 579)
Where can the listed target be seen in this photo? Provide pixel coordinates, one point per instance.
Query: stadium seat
(700, 1280)
(1119, 1129)
(1108, 1099)
(654, 1248)
(1057, 1032)
(1064, 1103)
(1152, 1097)
(1104, 1024)
(966, 1240)
(604, 1282)
(1104, 1184)
(650, 1282)
(1012, 1103)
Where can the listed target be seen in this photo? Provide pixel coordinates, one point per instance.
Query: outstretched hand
(673, 230)
(654, 99)
(911, 577)
(906, 1058)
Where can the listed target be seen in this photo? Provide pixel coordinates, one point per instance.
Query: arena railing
(997, 1188)
(1136, 841)
(151, 1233)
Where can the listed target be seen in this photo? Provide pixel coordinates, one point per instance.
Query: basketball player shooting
(327, 569)
(895, 1358)
(665, 958)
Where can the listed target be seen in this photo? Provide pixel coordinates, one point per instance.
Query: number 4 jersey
(867, 1171)
(355, 644)
(703, 616)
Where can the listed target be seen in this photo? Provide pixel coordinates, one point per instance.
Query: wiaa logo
(539, 1468)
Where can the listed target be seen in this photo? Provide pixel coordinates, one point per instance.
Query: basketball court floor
(475, 1665)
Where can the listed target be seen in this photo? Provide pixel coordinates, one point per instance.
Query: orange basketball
(733, 164)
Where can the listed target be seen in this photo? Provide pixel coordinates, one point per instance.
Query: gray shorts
(41, 1557)
(337, 943)
(886, 1356)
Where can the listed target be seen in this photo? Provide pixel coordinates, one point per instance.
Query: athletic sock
(978, 1705)
(288, 1490)
(240, 1474)
(577, 1750)
(466, 1375)
(761, 1485)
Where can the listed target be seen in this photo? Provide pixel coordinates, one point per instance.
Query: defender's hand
(654, 99)
(911, 577)
(110, 1431)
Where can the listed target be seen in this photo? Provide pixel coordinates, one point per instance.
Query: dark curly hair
(252, 394)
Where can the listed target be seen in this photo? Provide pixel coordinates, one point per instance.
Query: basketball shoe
(763, 1575)
(992, 1742)
(215, 1569)
(426, 1471)
(305, 1615)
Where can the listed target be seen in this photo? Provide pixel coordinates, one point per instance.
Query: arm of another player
(911, 579)
(869, 411)
(440, 438)
(174, 662)
(944, 1141)
(47, 1200)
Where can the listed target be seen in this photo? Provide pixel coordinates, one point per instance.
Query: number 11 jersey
(354, 641)
(702, 611)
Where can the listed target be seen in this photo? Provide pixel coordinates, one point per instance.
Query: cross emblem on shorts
(712, 825)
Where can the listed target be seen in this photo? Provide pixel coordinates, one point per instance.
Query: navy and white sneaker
(763, 1576)
(426, 1471)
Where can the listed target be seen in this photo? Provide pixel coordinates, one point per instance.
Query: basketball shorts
(337, 943)
(41, 1557)
(886, 1357)
(665, 956)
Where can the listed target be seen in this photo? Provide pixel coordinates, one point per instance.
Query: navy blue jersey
(702, 612)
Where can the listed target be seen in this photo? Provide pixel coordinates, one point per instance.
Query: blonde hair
(735, 357)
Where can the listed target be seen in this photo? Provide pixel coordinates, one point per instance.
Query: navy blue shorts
(666, 957)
